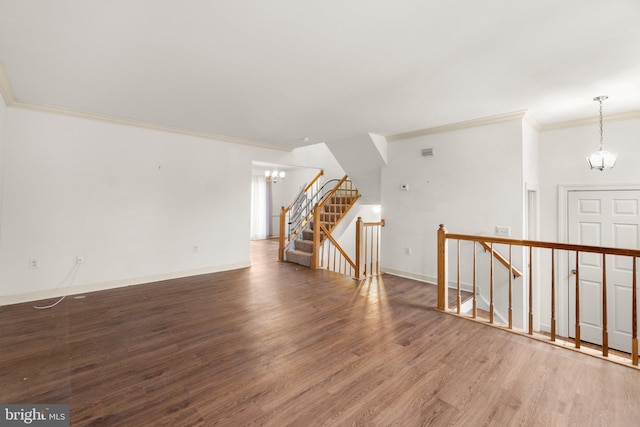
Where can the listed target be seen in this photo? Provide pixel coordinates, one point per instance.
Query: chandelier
(601, 159)
(274, 176)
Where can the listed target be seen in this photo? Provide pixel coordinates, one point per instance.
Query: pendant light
(601, 159)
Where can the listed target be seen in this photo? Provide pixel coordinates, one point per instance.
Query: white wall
(563, 156)
(362, 156)
(563, 153)
(3, 120)
(284, 192)
(473, 183)
(135, 202)
(315, 156)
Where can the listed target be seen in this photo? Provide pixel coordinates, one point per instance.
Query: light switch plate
(503, 231)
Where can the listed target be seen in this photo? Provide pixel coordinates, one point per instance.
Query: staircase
(332, 206)
(303, 247)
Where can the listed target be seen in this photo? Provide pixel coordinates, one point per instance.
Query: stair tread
(299, 252)
(299, 257)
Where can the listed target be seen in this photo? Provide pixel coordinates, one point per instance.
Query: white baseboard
(409, 275)
(101, 286)
(467, 287)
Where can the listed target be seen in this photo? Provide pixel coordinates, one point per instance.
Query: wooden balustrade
(367, 251)
(284, 238)
(327, 253)
(555, 248)
(333, 257)
(516, 273)
(368, 247)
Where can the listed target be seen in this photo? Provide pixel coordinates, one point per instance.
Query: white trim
(500, 118)
(629, 115)
(529, 119)
(101, 286)
(453, 284)
(145, 125)
(534, 189)
(563, 201)
(6, 89)
(408, 275)
(562, 273)
(524, 115)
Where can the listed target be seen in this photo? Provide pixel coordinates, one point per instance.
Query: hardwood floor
(278, 344)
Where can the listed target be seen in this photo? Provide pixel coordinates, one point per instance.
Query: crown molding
(10, 99)
(144, 125)
(629, 115)
(528, 118)
(5, 87)
(500, 118)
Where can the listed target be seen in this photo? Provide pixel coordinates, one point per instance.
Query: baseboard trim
(409, 275)
(101, 286)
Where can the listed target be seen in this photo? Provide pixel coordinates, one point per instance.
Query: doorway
(609, 218)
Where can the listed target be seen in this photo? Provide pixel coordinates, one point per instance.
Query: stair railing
(368, 248)
(555, 249)
(487, 247)
(294, 216)
(327, 208)
(330, 254)
(343, 189)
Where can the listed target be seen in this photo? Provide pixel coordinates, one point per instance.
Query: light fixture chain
(601, 131)
(601, 159)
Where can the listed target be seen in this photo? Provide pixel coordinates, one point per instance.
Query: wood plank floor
(277, 344)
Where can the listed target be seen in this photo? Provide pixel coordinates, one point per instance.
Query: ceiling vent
(427, 152)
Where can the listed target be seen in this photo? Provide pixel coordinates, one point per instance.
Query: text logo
(34, 415)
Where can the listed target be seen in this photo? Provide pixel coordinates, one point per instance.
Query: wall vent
(427, 152)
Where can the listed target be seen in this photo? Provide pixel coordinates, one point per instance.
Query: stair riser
(304, 245)
(299, 258)
(330, 215)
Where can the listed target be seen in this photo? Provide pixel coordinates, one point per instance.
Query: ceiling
(294, 72)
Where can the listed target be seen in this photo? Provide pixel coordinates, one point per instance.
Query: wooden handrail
(337, 245)
(313, 181)
(502, 259)
(283, 215)
(373, 224)
(360, 225)
(281, 243)
(336, 215)
(307, 187)
(333, 192)
(547, 245)
(575, 249)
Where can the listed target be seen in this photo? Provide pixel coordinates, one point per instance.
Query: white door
(611, 219)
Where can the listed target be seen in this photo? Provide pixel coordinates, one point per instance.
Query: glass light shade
(282, 175)
(267, 174)
(602, 160)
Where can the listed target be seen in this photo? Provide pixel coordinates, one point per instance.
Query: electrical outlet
(503, 231)
(80, 259)
(404, 187)
(33, 263)
(407, 250)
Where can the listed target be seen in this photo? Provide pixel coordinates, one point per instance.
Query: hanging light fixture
(274, 176)
(601, 159)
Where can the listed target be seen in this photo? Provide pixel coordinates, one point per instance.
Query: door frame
(562, 274)
(531, 229)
